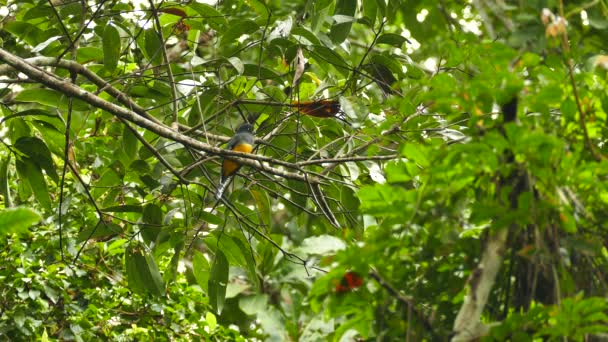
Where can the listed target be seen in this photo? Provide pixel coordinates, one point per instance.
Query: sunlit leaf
(17, 220)
(218, 281)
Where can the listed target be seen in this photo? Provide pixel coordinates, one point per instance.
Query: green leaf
(102, 229)
(4, 187)
(303, 32)
(31, 34)
(416, 153)
(393, 39)
(132, 266)
(31, 174)
(123, 209)
(153, 217)
(238, 28)
(396, 172)
(143, 274)
(259, 7)
(218, 281)
(211, 320)
(370, 10)
(88, 54)
(210, 218)
(50, 98)
(250, 263)
(339, 31)
(230, 249)
(39, 154)
(153, 46)
(261, 73)
(129, 143)
(327, 55)
(391, 63)
(237, 64)
(201, 270)
(111, 47)
(40, 47)
(215, 19)
(252, 305)
(53, 138)
(17, 220)
(155, 283)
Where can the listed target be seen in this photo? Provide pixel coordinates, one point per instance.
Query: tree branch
(468, 325)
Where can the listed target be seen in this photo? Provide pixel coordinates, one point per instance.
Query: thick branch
(103, 86)
(467, 325)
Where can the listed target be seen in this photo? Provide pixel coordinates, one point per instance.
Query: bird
(242, 141)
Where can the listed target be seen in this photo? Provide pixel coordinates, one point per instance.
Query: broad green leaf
(53, 138)
(215, 19)
(17, 220)
(307, 34)
(236, 288)
(102, 229)
(41, 10)
(50, 98)
(393, 39)
(261, 73)
(111, 47)
(327, 55)
(88, 54)
(230, 249)
(30, 173)
(211, 320)
(263, 203)
(38, 48)
(142, 273)
(201, 270)
(155, 283)
(31, 34)
(129, 143)
(251, 266)
(218, 281)
(339, 31)
(251, 305)
(39, 154)
(153, 46)
(210, 218)
(370, 10)
(237, 64)
(132, 266)
(259, 7)
(153, 219)
(416, 153)
(238, 28)
(4, 186)
(397, 172)
(18, 128)
(414, 72)
(391, 63)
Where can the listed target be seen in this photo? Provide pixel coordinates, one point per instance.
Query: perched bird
(242, 141)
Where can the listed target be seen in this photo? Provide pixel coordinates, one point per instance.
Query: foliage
(118, 234)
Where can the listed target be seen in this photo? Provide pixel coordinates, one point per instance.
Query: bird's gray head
(246, 127)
